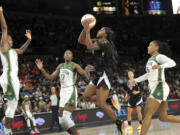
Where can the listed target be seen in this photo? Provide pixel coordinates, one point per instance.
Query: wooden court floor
(157, 128)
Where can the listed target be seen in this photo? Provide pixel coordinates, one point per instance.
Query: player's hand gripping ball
(90, 19)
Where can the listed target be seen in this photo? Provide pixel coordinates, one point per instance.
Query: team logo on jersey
(9, 94)
(158, 94)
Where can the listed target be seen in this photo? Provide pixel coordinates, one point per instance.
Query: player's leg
(151, 107)
(32, 118)
(70, 124)
(29, 126)
(129, 118)
(53, 117)
(67, 104)
(163, 116)
(102, 95)
(138, 108)
(66, 121)
(9, 114)
(90, 93)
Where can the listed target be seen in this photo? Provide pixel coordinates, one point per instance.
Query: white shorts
(159, 91)
(68, 95)
(10, 85)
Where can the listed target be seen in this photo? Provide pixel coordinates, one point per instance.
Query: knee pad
(12, 105)
(65, 121)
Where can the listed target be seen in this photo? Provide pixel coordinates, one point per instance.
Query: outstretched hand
(89, 68)
(28, 34)
(39, 64)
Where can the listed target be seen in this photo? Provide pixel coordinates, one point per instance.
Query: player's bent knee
(66, 121)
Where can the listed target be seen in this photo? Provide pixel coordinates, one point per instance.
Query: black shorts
(103, 79)
(134, 104)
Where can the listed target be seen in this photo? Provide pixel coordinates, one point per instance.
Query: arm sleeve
(165, 62)
(142, 78)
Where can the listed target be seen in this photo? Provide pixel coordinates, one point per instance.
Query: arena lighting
(108, 7)
(105, 9)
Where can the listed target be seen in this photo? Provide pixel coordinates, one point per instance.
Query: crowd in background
(52, 36)
(39, 88)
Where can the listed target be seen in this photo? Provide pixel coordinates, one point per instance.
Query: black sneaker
(120, 126)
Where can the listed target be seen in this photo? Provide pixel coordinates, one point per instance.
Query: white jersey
(27, 105)
(157, 74)
(9, 79)
(67, 75)
(9, 62)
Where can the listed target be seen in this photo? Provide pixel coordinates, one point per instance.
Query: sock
(129, 123)
(140, 122)
(7, 131)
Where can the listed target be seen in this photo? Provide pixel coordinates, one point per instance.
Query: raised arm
(26, 44)
(82, 37)
(4, 45)
(52, 76)
(82, 72)
(87, 36)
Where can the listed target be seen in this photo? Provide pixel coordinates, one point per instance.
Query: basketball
(90, 18)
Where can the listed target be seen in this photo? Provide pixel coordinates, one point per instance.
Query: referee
(54, 108)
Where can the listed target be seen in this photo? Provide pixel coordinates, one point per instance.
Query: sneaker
(115, 103)
(139, 127)
(32, 132)
(129, 128)
(78, 133)
(120, 126)
(37, 132)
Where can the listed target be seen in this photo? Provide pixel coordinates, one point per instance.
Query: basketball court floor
(157, 128)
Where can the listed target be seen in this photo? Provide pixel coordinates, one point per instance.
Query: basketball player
(28, 114)
(157, 101)
(135, 101)
(9, 79)
(68, 96)
(105, 62)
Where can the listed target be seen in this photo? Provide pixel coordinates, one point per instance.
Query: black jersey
(106, 57)
(134, 98)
